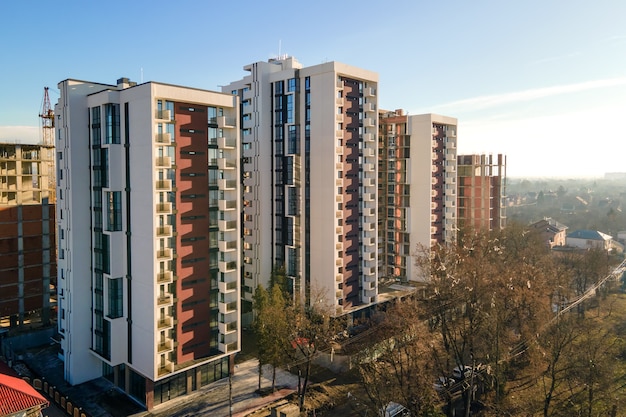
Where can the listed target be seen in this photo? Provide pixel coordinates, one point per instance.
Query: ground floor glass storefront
(166, 389)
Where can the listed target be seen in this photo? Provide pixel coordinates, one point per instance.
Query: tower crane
(47, 149)
(47, 120)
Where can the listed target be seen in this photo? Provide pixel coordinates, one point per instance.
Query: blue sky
(542, 81)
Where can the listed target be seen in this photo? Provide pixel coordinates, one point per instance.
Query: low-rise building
(589, 239)
(551, 232)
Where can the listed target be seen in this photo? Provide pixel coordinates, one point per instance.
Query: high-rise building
(148, 214)
(417, 188)
(27, 233)
(482, 195)
(309, 146)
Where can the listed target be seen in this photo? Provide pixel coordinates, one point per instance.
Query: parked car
(459, 375)
(443, 383)
(395, 410)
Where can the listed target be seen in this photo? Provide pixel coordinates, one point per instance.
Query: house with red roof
(19, 399)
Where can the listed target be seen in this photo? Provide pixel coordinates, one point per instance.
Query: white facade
(433, 172)
(139, 214)
(309, 146)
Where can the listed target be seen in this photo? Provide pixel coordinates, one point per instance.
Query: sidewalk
(213, 399)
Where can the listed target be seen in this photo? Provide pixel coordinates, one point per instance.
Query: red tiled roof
(17, 395)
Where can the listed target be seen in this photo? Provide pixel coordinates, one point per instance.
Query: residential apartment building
(309, 147)
(417, 188)
(148, 214)
(27, 233)
(482, 191)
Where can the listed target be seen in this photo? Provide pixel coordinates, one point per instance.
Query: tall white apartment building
(309, 147)
(148, 241)
(417, 189)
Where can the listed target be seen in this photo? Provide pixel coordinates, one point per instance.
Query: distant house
(551, 232)
(589, 239)
(19, 399)
(568, 208)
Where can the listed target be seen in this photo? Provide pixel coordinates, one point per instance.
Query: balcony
(165, 277)
(368, 137)
(226, 122)
(369, 92)
(339, 245)
(164, 185)
(165, 299)
(226, 308)
(164, 208)
(339, 150)
(226, 163)
(339, 262)
(227, 287)
(339, 278)
(165, 346)
(164, 231)
(229, 266)
(163, 115)
(369, 122)
(339, 198)
(164, 254)
(224, 184)
(339, 133)
(339, 182)
(370, 106)
(163, 139)
(227, 225)
(339, 117)
(165, 323)
(339, 101)
(370, 293)
(227, 245)
(226, 205)
(228, 347)
(163, 162)
(166, 368)
(226, 143)
(339, 214)
(227, 328)
(339, 166)
(451, 133)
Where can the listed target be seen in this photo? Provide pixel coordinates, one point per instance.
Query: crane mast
(47, 120)
(47, 148)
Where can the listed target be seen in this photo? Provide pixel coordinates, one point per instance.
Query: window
(114, 211)
(290, 110)
(112, 123)
(292, 85)
(115, 294)
(95, 126)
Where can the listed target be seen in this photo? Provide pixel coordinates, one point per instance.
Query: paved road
(212, 400)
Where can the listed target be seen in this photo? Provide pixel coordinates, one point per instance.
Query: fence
(54, 395)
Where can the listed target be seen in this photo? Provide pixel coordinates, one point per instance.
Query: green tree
(261, 327)
(271, 329)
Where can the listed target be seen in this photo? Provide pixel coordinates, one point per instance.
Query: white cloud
(20, 134)
(483, 102)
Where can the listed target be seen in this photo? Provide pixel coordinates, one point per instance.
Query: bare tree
(399, 367)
